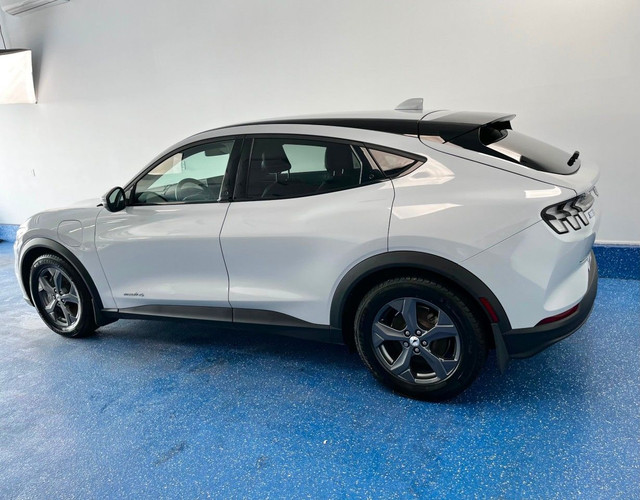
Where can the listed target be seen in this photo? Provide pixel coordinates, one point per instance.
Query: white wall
(120, 80)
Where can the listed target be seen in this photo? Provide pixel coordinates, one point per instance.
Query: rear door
(305, 211)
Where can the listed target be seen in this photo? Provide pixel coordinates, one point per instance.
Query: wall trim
(618, 243)
(8, 232)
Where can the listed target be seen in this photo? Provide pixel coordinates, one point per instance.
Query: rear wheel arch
(365, 275)
(420, 338)
(36, 247)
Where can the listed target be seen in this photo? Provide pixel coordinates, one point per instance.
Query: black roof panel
(445, 124)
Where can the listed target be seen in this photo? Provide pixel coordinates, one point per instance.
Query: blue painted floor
(149, 409)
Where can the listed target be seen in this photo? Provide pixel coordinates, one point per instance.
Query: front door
(163, 251)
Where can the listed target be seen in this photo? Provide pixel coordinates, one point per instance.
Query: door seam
(224, 261)
(393, 200)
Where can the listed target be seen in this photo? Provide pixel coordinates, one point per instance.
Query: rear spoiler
(454, 124)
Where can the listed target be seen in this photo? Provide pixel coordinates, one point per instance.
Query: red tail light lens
(489, 308)
(558, 317)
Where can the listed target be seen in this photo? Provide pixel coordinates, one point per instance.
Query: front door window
(194, 175)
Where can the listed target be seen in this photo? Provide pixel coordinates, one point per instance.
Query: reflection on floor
(182, 410)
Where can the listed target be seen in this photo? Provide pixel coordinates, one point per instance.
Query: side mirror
(115, 200)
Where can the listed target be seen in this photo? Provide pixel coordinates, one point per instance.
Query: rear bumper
(525, 342)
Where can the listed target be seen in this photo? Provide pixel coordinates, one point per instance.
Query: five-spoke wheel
(416, 341)
(420, 338)
(61, 297)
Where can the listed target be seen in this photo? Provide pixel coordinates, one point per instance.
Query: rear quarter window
(394, 164)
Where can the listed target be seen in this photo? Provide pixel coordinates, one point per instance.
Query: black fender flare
(429, 263)
(54, 246)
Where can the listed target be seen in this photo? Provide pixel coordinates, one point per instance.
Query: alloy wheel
(416, 341)
(59, 297)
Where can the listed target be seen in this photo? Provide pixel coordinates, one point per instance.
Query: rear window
(518, 148)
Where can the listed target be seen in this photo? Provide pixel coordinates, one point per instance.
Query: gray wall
(120, 80)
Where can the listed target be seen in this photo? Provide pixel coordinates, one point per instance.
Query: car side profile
(421, 239)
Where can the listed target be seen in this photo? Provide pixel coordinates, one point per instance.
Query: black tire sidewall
(472, 345)
(85, 325)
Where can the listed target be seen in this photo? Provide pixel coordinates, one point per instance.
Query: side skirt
(225, 317)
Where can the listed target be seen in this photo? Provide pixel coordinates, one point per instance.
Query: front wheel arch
(36, 247)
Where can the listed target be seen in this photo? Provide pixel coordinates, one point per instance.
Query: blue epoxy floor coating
(180, 410)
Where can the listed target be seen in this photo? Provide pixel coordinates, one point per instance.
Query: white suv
(422, 239)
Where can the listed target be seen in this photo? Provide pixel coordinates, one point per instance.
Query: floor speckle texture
(151, 409)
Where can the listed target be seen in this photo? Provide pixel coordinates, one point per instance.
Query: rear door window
(283, 167)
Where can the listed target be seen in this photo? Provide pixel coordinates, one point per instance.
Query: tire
(61, 297)
(435, 354)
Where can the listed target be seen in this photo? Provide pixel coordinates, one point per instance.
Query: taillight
(570, 214)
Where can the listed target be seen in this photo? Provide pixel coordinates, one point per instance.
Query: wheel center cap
(414, 341)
